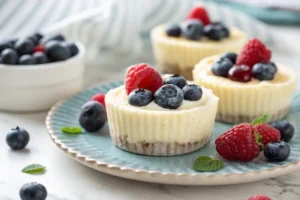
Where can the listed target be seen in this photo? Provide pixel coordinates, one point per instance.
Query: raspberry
(259, 197)
(142, 76)
(200, 14)
(268, 133)
(240, 143)
(38, 48)
(99, 98)
(254, 52)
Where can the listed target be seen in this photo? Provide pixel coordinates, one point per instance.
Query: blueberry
(213, 32)
(92, 116)
(11, 41)
(9, 56)
(5, 45)
(72, 47)
(277, 151)
(57, 37)
(27, 60)
(56, 51)
(169, 96)
(221, 67)
(226, 32)
(140, 97)
(24, 46)
(192, 29)
(33, 191)
(231, 56)
(177, 80)
(286, 130)
(40, 57)
(173, 30)
(17, 138)
(192, 92)
(273, 65)
(263, 71)
(36, 37)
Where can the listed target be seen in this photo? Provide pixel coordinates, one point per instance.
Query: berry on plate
(99, 98)
(192, 29)
(231, 56)
(254, 52)
(92, 116)
(177, 80)
(173, 30)
(277, 151)
(169, 96)
(17, 138)
(240, 73)
(221, 67)
(263, 71)
(286, 130)
(9, 56)
(192, 92)
(142, 76)
(199, 13)
(259, 197)
(33, 191)
(240, 143)
(140, 97)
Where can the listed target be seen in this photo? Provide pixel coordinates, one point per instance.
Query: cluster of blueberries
(224, 67)
(193, 29)
(36, 49)
(169, 96)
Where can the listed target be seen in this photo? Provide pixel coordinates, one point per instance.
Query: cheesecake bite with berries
(249, 84)
(160, 116)
(178, 47)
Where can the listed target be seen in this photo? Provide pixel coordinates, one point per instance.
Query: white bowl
(26, 88)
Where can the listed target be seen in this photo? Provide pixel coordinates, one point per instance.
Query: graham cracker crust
(158, 148)
(248, 119)
(186, 71)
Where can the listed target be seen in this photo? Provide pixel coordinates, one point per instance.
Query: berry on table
(231, 56)
(177, 80)
(9, 56)
(99, 98)
(33, 191)
(259, 197)
(192, 29)
(240, 73)
(27, 60)
(286, 130)
(40, 57)
(92, 116)
(192, 92)
(200, 14)
(142, 76)
(24, 46)
(169, 96)
(277, 151)
(140, 97)
(173, 30)
(221, 67)
(254, 52)
(17, 138)
(263, 71)
(56, 51)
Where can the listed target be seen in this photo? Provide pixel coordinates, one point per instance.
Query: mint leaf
(34, 169)
(207, 164)
(71, 130)
(260, 120)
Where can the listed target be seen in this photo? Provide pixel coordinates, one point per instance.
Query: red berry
(38, 48)
(268, 133)
(254, 52)
(142, 76)
(240, 73)
(259, 197)
(99, 98)
(200, 14)
(240, 143)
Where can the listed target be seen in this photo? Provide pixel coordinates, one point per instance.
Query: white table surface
(68, 180)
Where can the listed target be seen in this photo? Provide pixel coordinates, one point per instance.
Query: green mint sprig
(34, 169)
(207, 164)
(71, 130)
(261, 120)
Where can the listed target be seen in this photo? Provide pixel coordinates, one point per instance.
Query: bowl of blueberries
(38, 70)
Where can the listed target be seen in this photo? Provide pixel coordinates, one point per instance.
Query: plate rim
(172, 178)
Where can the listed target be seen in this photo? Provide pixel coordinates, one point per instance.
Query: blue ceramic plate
(97, 151)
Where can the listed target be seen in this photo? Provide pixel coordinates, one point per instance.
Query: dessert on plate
(177, 48)
(248, 85)
(160, 116)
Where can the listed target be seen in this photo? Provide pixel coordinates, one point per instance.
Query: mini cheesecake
(245, 101)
